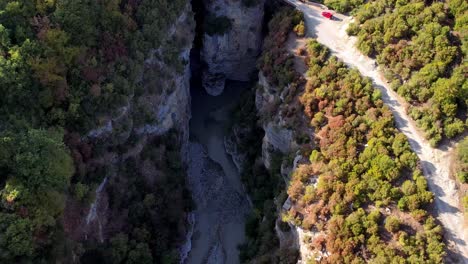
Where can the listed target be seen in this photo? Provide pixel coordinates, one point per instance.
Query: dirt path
(435, 162)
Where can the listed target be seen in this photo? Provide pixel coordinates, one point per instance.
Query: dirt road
(435, 162)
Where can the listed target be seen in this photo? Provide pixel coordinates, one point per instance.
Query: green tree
(17, 237)
(41, 160)
(141, 254)
(119, 248)
(462, 155)
(392, 224)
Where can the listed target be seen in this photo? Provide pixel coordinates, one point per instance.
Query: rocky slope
(162, 105)
(231, 54)
(278, 137)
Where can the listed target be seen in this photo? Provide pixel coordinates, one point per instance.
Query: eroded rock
(231, 54)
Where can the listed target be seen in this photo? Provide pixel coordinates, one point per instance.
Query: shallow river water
(221, 203)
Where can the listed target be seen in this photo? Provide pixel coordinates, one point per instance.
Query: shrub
(299, 29)
(353, 29)
(392, 224)
(463, 176)
(455, 128)
(408, 188)
(418, 54)
(419, 215)
(81, 191)
(465, 202)
(315, 156)
(403, 203)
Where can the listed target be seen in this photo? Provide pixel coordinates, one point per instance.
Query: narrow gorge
(197, 107)
(223, 61)
(244, 143)
(233, 131)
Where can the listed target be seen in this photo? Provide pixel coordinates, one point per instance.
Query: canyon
(221, 201)
(233, 131)
(197, 102)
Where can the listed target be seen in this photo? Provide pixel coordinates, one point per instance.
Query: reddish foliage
(282, 58)
(80, 151)
(95, 90)
(61, 90)
(329, 109)
(336, 121)
(322, 104)
(323, 133)
(41, 25)
(91, 74)
(86, 150)
(319, 242)
(133, 3)
(23, 211)
(113, 47)
(76, 155)
(72, 139)
(309, 220)
(296, 190)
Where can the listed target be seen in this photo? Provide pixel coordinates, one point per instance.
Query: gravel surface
(221, 202)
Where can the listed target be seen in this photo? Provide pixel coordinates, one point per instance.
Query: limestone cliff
(278, 137)
(231, 54)
(161, 104)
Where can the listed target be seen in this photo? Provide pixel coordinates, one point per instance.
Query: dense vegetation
(66, 67)
(362, 174)
(266, 186)
(276, 63)
(461, 170)
(363, 195)
(422, 46)
(343, 6)
(151, 190)
(462, 157)
(35, 172)
(262, 245)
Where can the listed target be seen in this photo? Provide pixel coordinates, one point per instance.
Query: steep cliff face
(230, 50)
(133, 136)
(278, 137)
(163, 102)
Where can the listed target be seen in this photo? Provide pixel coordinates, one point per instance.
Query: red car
(327, 14)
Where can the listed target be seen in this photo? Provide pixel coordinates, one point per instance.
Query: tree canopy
(421, 46)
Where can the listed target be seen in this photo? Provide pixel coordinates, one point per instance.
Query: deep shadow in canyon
(221, 202)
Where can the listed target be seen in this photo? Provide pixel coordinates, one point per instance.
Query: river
(221, 202)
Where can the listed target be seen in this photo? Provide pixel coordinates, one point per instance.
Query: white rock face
(230, 144)
(279, 137)
(232, 55)
(287, 239)
(265, 95)
(172, 110)
(276, 138)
